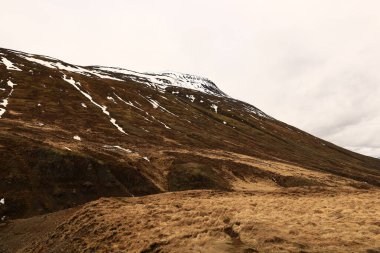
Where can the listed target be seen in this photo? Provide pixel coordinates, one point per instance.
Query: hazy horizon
(310, 64)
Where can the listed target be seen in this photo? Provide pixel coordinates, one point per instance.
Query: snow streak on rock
(9, 64)
(75, 69)
(254, 110)
(215, 107)
(103, 108)
(191, 97)
(154, 103)
(111, 147)
(4, 102)
(128, 102)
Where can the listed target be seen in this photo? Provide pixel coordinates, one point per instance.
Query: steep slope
(70, 134)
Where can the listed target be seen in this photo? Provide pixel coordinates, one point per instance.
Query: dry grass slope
(292, 220)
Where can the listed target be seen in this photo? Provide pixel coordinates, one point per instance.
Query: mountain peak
(168, 78)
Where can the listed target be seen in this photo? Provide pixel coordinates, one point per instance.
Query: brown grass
(291, 220)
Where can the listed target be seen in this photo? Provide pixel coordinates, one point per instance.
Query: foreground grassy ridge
(292, 220)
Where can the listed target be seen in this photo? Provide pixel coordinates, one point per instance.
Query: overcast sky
(313, 64)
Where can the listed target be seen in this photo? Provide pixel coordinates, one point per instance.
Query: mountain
(71, 134)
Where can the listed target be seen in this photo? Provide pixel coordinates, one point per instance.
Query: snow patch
(5, 102)
(191, 97)
(154, 103)
(9, 64)
(10, 84)
(215, 107)
(2, 111)
(113, 121)
(117, 147)
(111, 99)
(76, 137)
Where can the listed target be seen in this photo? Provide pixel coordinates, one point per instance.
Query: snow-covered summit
(166, 79)
(193, 82)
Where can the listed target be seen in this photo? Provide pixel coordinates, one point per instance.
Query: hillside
(71, 134)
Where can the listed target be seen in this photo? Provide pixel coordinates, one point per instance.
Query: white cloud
(313, 64)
